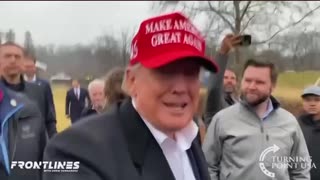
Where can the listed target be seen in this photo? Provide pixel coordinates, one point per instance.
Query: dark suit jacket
(88, 111)
(215, 98)
(116, 145)
(51, 125)
(311, 132)
(48, 91)
(74, 107)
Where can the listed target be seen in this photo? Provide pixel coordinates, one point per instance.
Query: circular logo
(273, 149)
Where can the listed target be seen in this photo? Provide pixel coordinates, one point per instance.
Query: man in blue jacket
(22, 135)
(12, 57)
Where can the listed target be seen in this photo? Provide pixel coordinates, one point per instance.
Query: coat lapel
(144, 150)
(199, 161)
(75, 95)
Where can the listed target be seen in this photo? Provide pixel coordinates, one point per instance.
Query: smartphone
(245, 40)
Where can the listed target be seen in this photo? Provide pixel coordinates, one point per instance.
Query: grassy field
(291, 84)
(289, 88)
(59, 95)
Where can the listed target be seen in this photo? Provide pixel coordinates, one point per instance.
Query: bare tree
(126, 37)
(28, 44)
(259, 18)
(1, 35)
(302, 47)
(10, 36)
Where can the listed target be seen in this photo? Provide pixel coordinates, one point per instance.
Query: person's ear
(130, 81)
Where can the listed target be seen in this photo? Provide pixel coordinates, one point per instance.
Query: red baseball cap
(168, 38)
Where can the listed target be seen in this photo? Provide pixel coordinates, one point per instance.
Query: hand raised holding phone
(230, 41)
(245, 40)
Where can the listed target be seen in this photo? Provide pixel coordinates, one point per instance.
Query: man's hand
(229, 42)
(67, 116)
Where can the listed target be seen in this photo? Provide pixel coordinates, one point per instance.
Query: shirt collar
(184, 137)
(269, 109)
(14, 87)
(34, 78)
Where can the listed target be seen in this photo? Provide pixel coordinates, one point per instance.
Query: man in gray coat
(255, 138)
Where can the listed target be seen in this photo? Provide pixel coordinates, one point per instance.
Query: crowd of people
(150, 121)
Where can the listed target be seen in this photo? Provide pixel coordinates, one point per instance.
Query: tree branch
(255, 5)
(288, 26)
(237, 16)
(211, 21)
(206, 9)
(247, 23)
(245, 10)
(222, 17)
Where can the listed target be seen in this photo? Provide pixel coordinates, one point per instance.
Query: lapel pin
(13, 103)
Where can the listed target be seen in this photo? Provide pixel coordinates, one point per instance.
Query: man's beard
(229, 89)
(261, 98)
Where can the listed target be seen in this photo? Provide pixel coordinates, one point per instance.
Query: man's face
(11, 60)
(256, 85)
(311, 104)
(97, 95)
(229, 81)
(29, 67)
(75, 84)
(168, 96)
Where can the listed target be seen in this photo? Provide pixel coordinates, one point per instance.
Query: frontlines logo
(47, 166)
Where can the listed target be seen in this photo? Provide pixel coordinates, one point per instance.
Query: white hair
(95, 82)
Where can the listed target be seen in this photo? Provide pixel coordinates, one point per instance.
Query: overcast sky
(60, 22)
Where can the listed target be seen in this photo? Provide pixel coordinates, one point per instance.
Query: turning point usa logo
(47, 166)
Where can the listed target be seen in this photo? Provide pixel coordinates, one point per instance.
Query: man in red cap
(151, 135)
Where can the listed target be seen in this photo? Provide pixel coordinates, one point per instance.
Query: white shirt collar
(269, 109)
(33, 79)
(184, 137)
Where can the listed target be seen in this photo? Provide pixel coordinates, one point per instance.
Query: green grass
(291, 84)
(59, 93)
(298, 80)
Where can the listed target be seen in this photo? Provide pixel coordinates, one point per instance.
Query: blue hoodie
(8, 108)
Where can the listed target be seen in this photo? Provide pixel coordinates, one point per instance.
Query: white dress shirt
(31, 80)
(77, 92)
(175, 151)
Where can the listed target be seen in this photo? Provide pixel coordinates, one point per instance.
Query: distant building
(41, 65)
(62, 76)
(61, 79)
